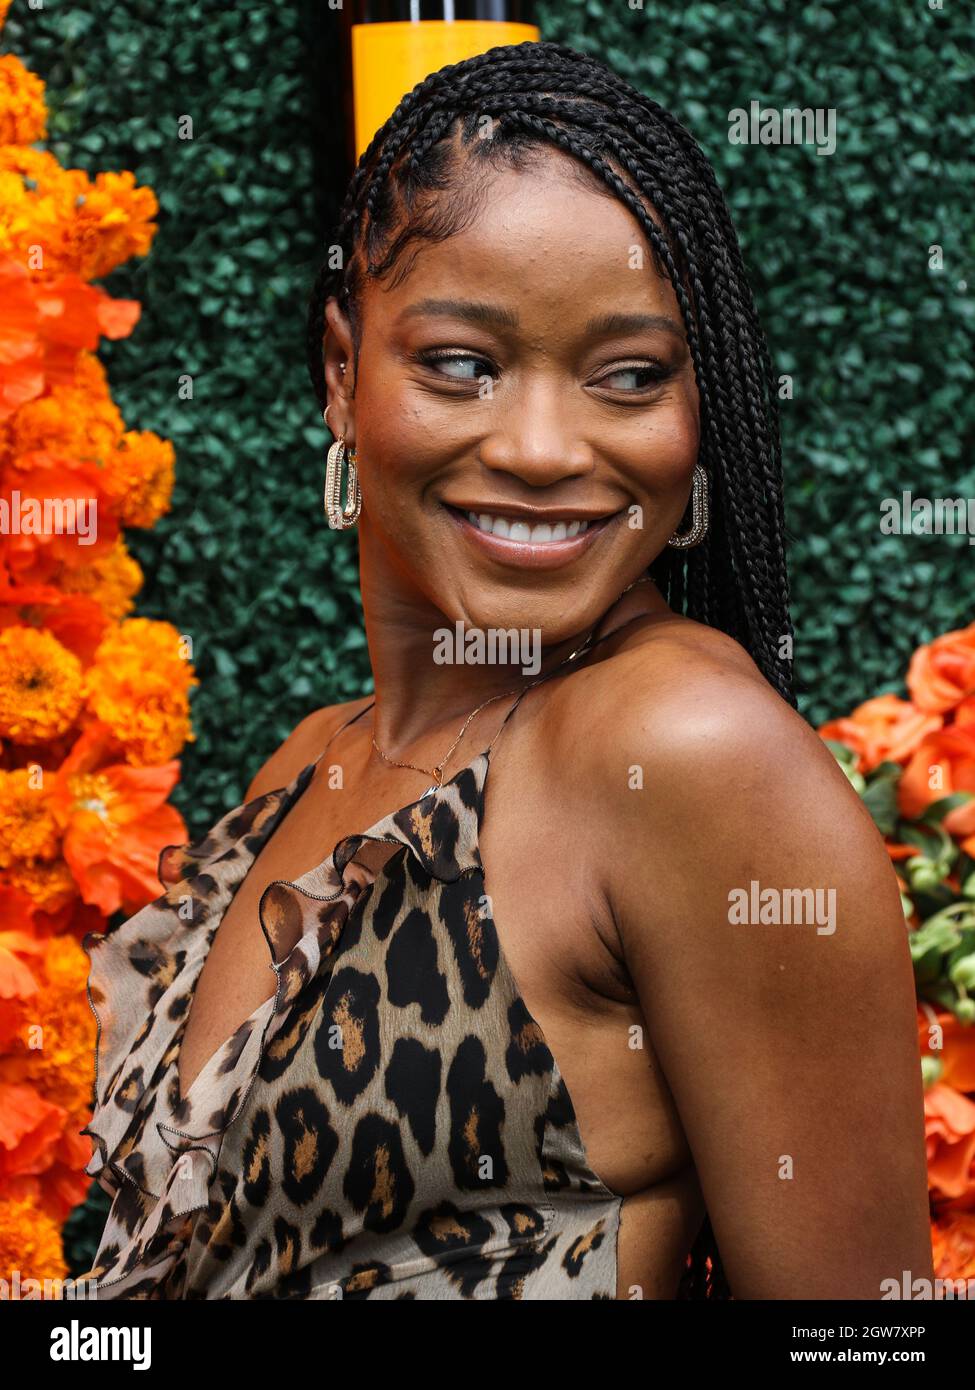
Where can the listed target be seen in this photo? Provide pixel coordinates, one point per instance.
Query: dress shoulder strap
(556, 670)
(344, 725)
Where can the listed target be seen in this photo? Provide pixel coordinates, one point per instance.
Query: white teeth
(521, 531)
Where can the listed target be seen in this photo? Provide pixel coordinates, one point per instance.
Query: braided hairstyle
(543, 95)
(539, 95)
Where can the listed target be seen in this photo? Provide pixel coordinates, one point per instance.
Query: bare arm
(791, 1049)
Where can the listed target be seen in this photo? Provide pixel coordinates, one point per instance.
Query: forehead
(543, 240)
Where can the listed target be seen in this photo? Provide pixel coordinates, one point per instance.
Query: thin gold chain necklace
(437, 772)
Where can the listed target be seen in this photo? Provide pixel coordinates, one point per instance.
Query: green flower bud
(931, 1069)
(965, 1011)
(924, 874)
(962, 973)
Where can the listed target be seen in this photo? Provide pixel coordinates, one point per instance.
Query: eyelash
(659, 373)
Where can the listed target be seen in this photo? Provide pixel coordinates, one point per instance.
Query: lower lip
(546, 555)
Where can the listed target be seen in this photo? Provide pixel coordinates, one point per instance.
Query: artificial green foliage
(879, 346)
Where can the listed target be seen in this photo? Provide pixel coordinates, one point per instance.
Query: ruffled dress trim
(158, 1152)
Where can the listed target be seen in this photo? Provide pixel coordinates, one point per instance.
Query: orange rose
(957, 1051)
(949, 1129)
(953, 1245)
(883, 729)
(944, 762)
(942, 673)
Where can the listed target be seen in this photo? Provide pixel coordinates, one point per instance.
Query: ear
(337, 349)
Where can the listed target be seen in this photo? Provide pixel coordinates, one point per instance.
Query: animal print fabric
(390, 1124)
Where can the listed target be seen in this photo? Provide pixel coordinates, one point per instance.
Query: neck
(421, 703)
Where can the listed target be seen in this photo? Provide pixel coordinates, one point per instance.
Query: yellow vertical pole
(389, 59)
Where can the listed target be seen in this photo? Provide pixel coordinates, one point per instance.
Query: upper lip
(537, 516)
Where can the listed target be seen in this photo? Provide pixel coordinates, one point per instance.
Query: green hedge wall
(878, 345)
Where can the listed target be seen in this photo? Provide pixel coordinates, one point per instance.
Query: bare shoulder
(303, 745)
(687, 755)
(674, 691)
(758, 916)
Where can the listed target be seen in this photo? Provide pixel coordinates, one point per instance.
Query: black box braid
(547, 94)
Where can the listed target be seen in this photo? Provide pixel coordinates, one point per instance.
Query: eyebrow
(493, 316)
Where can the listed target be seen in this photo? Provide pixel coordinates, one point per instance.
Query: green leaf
(880, 796)
(939, 809)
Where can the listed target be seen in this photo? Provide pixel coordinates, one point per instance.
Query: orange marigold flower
(112, 580)
(30, 1239)
(139, 687)
(16, 910)
(114, 223)
(76, 419)
(86, 227)
(942, 673)
(139, 477)
(41, 685)
(76, 620)
(28, 829)
(30, 1130)
(50, 886)
(116, 823)
(23, 114)
(56, 1035)
(885, 729)
(17, 980)
(19, 972)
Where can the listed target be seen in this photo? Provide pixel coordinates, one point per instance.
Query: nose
(537, 439)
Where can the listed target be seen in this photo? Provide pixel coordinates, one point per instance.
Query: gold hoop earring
(699, 514)
(341, 518)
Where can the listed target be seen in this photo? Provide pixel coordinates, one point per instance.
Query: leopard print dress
(389, 1124)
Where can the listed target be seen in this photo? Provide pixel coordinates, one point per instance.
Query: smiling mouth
(513, 527)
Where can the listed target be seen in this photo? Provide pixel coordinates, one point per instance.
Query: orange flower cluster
(94, 704)
(932, 734)
(926, 746)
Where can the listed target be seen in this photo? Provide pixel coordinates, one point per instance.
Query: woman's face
(532, 369)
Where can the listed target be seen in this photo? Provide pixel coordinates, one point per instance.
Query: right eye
(441, 361)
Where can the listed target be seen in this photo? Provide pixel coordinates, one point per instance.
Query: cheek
(667, 455)
(403, 438)
(393, 443)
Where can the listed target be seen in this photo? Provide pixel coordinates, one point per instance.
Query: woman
(520, 1037)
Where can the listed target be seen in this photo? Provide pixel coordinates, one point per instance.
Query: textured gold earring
(341, 518)
(698, 529)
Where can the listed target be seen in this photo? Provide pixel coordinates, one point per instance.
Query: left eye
(651, 375)
(462, 367)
